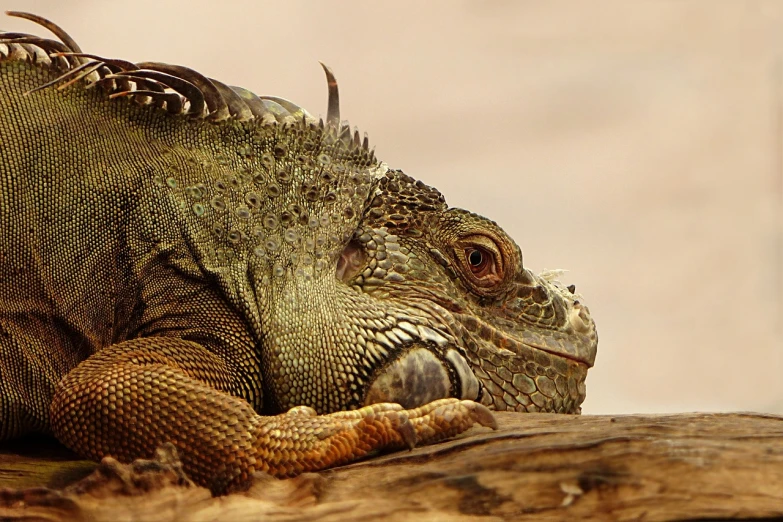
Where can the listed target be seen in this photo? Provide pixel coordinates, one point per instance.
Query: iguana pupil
(476, 258)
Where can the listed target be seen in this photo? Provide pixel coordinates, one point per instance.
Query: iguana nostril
(580, 318)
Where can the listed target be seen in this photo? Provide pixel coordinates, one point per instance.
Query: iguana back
(177, 261)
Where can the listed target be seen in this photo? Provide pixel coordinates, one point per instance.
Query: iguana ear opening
(352, 261)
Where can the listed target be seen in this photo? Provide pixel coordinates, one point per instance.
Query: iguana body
(185, 266)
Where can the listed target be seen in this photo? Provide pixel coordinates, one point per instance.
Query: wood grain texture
(534, 467)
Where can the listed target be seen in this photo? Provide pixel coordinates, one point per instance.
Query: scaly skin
(209, 268)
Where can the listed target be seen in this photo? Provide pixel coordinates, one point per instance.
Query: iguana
(183, 261)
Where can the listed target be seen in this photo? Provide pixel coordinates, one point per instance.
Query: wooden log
(534, 467)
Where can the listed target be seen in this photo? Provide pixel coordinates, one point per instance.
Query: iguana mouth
(583, 361)
(580, 349)
(578, 345)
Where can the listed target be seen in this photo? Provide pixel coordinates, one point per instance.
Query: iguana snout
(532, 349)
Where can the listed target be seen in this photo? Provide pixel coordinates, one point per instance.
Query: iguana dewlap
(182, 261)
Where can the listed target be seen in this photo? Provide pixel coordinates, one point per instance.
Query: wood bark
(534, 467)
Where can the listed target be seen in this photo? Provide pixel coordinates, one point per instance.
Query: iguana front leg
(129, 398)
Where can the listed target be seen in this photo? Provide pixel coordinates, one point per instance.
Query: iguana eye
(479, 260)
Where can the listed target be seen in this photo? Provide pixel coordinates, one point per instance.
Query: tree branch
(534, 467)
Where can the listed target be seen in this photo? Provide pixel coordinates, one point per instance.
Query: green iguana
(183, 261)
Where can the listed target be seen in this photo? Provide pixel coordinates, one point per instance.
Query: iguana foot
(437, 420)
(300, 441)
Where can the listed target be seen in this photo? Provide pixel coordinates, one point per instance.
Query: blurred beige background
(638, 144)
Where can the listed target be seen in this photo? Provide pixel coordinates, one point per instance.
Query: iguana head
(497, 332)
(357, 282)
